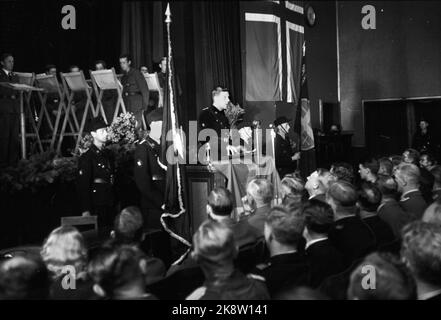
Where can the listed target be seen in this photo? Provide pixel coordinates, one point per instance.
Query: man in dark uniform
(95, 176)
(9, 114)
(135, 89)
(214, 118)
(285, 157)
(149, 173)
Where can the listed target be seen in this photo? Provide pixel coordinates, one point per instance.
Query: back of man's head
(385, 166)
(392, 279)
(261, 190)
(343, 171)
(344, 195)
(433, 213)
(319, 216)
(421, 249)
(23, 278)
(410, 173)
(369, 197)
(214, 244)
(285, 226)
(387, 186)
(128, 226)
(221, 201)
(371, 164)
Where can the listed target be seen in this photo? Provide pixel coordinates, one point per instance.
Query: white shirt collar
(6, 71)
(429, 295)
(311, 242)
(407, 192)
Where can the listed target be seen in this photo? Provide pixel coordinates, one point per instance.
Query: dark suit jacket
(285, 271)
(8, 105)
(383, 233)
(352, 237)
(257, 219)
(243, 232)
(325, 260)
(414, 204)
(392, 213)
(283, 155)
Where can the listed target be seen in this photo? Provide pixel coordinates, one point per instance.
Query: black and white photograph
(215, 157)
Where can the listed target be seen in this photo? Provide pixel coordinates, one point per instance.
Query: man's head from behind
(342, 197)
(381, 276)
(385, 167)
(369, 197)
(283, 228)
(407, 176)
(100, 65)
(214, 245)
(387, 186)
(421, 250)
(24, 277)
(128, 226)
(411, 156)
(221, 97)
(260, 191)
(319, 218)
(7, 61)
(220, 203)
(343, 171)
(319, 181)
(433, 213)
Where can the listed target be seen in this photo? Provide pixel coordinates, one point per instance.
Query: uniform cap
(281, 120)
(95, 124)
(155, 115)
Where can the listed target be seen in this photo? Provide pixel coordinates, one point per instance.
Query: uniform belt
(13, 97)
(132, 93)
(156, 177)
(99, 180)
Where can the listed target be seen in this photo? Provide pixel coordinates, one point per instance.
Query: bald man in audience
(349, 234)
(408, 180)
(390, 210)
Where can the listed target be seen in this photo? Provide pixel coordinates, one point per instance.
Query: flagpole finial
(168, 14)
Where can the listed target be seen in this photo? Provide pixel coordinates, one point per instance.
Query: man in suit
(260, 193)
(149, 173)
(349, 234)
(421, 250)
(285, 157)
(389, 209)
(287, 266)
(9, 114)
(135, 89)
(369, 199)
(407, 176)
(325, 260)
(95, 179)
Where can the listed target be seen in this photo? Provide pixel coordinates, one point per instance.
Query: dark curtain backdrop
(142, 32)
(217, 49)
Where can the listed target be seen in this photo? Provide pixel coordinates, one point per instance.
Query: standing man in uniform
(9, 114)
(135, 89)
(149, 173)
(95, 176)
(285, 156)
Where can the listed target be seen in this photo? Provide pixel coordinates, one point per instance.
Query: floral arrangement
(234, 113)
(123, 129)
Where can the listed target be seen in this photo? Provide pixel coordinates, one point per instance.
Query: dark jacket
(257, 219)
(95, 179)
(212, 118)
(325, 260)
(283, 155)
(383, 233)
(413, 204)
(285, 271)
(392, 213)
(135, 90)
(9, 98)
(352, 237)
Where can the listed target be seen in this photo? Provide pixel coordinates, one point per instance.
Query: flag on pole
(302, 124)
(174, 220)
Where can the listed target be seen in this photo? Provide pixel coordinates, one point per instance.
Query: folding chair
(29, 79)
(75, 82)
(107, 80)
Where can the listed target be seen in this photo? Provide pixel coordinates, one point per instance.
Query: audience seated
(324, 259)
(436, 191)
(24, 278)
(427, 161)
(369, 199)
(215, 251)
(421, 250)
(287, 265)
(260, 193)
(389, 210)
(349, 234)
(343, 171)
(385, 167)
(64, 253)
(368, 170)
(407, 176)
(293, 189)
(119, 273)
(411, 156)
(391, 279)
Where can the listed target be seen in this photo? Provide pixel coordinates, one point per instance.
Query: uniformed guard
(285, 156)
(214, 118)
(149, 172)
(135, 89)
(9, 115)
(95, 176)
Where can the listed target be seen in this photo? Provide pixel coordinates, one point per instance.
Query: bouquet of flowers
(234, 113)
(123, 129)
